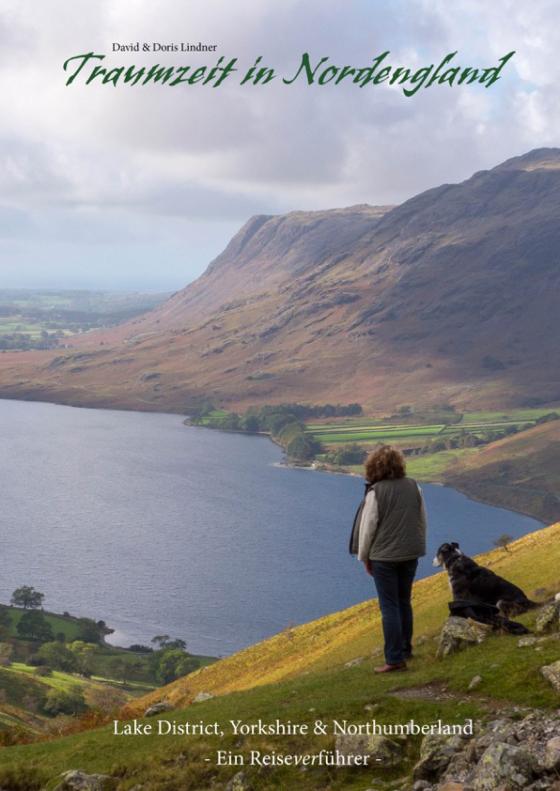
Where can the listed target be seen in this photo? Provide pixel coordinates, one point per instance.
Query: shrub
(22, 779)
(59, 701)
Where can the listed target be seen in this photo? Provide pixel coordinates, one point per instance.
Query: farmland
(415, 431)
(32, 319)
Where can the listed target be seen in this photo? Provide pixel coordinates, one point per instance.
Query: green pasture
(69, 626)
(373, 430)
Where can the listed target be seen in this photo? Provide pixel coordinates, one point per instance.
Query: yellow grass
(342, 636)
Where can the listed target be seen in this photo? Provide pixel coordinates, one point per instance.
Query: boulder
(552, 674)
(238, 783)
(551, 760)
(158, 708)
(436, 752)
(74, 780)
(526, 642)
(202, 696)
(380, 750)
(459, 633)
(548, 619)
(503, 765)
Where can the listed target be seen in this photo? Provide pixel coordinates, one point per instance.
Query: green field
(43, 319)
(363, 430)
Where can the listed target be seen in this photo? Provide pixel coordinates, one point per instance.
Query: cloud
(81, 162)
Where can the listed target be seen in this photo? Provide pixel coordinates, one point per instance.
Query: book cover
(254, 256)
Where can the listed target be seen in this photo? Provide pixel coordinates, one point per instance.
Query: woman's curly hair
(385, 463)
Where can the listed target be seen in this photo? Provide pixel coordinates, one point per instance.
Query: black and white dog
(470, 581)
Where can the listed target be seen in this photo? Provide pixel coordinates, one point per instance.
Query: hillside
(520, 472)
(451, 297)
(321, 670)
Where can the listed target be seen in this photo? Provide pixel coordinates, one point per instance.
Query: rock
(421, 785)
(459, 633)
(436, 752)
(158, 708)
(451, 785)
(371, 707)
(503, 765)
(238, 783)
(525, 642)
(353, 662)
(74, 780)
(380, 750)
(548, 620)
(551, 760)
(202, 696)
(476, 681)
(552, 674)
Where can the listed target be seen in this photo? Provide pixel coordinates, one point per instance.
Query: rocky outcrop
(75, 780)
(552, 674)
(548, 619)
(202, 696)
(436, 753)
(158, 708)
(509, 754)
(459, 633)
(381, 751)
(239, 782)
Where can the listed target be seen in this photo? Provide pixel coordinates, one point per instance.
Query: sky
(138, 188)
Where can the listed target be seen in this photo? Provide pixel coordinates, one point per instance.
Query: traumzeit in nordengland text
(88, 69)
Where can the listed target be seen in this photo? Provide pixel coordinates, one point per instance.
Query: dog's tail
(508, 607)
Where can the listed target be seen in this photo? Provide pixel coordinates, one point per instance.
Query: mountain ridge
(450, 297)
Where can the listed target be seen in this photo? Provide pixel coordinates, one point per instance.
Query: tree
(118, 668)
(301, 448)
(83, 654)
(89, 631)
(5, 623)
(34, 626)
(250, 424)
(503, 541)
(160, 639)
(27, 597)
(172, 663)
(58, 656)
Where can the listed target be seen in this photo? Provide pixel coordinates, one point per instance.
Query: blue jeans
(393, 581)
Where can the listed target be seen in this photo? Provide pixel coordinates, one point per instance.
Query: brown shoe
(391, 668)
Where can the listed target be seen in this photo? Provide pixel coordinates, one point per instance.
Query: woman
(392, 536)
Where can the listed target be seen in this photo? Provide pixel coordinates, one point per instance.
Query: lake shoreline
(263, 435)
(153, 525)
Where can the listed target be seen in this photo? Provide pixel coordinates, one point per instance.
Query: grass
(432, 466)
(68, 625)
(303, 675)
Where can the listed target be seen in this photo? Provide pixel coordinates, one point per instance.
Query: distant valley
(48, 319)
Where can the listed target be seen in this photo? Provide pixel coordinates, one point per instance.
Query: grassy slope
(301, 675)
(520, 472)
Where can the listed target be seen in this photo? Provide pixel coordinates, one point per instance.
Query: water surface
(159, 528)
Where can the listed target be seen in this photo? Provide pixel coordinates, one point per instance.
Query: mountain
(451, 297)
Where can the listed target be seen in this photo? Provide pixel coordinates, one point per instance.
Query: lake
(156, 527)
